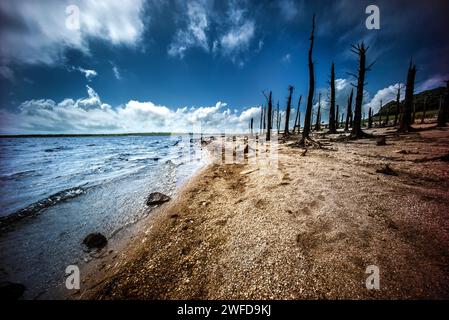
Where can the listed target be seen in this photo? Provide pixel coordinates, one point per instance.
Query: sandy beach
(306, 230)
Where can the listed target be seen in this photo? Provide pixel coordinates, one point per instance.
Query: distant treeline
(429, 98)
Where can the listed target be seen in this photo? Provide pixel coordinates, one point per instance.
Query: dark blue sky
(197, 53)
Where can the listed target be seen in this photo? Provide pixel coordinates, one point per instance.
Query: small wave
(58, 149)
(17, 175)
(35, 208)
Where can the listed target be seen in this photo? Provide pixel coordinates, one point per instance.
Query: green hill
(433, 102)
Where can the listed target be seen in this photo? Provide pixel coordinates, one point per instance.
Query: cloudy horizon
(168, 65)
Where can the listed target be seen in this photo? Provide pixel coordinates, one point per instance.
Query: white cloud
(116, 71)
(343, 88)
(91, 115)
(385, 95)
(40, 36)
(238, 38)
(89, 74)
(233, 33)
(195, 33)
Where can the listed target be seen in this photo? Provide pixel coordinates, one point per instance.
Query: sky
(177, 65)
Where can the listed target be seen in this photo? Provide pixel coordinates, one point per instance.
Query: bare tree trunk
(380, 114)
(360, 50)
(414, 111)
(287, 110)
(269, 111)
(388, 117)
(317, 124)
(406, 117)
(424, 110)
(264, 118)
(298, 115)
(332, 128)
(370, 119)
(261, 119)
(443, 114)
(398, 106)
(278, 122)
(337, 115)
(251, 125)
(349, 110)
(308, 116)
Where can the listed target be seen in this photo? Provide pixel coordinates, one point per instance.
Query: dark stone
(387, 170)
(95, 240)
(11, 291)
(381, 141)
(157, 198)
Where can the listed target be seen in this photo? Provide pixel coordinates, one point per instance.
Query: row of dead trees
(403, 118)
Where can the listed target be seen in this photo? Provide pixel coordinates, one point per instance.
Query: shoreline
(120, 244)
(236, 232)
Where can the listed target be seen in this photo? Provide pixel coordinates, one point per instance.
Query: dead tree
(349, 110)
(270, 107)
(279, 122)
(406, 116)
(251, 125)
(307, 120)
(287, 110)
(261, 119)
(398, 106)
(380, 114)
(424, 110)
(388, 117)
(332, 128)
(443, 114)
(414, 111)
(360, 50)
(298, 115)
(318, 114)
(337, 115)
(278, 119)
(370, 118)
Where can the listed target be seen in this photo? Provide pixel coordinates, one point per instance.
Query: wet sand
(306, 230)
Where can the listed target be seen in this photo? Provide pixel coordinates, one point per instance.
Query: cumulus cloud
(384, 95)
(91, 115)
(343, 88)
(194, 35)
(35, 32)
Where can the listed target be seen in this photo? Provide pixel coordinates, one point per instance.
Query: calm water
(70, 187)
